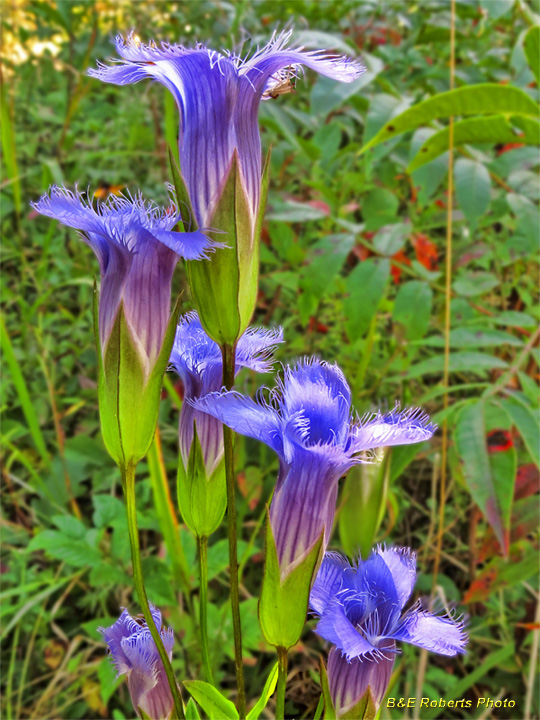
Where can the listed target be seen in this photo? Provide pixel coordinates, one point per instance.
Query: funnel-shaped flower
(134, 654)
(137, 252)
(218, 96)
(198, 361)
(361, 610)
(309, 425)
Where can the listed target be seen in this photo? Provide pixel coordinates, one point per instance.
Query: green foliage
(329, 276)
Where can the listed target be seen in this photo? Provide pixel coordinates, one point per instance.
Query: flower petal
(442, 635)
(402, 565)
(256, 420)
(394, 428)
(335, 627)
(319, 393)
(328, 581)
(256, 347)
(267, 63)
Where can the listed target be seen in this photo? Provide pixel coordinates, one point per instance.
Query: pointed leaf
(329, 712)
(527, 424)
(482, 99)
(473, 188)
(365, 288)
(269, 687)
(214, 704)
(531, 45)
(191, 711)
(496, 129)
(489, 477)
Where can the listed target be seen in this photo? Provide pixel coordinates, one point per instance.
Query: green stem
(128, 482)
(202, 547)
(228, 353)
(281, 682)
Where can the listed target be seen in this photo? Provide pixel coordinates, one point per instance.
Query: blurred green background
(353, 258)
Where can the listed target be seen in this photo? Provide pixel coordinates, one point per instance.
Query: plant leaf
(496, 129)
(269, 687)
(214, 704)
(531, 45)
(489, 477)
(473, 188)
(482, 99)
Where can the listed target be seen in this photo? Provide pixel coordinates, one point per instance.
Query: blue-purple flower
(137, 251)
(134, 654)
(308, 423)
(361, 609)
(218, 95)
(197, 359)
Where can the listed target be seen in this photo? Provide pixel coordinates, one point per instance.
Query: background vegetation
(352, 267)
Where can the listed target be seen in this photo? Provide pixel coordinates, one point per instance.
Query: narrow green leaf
(490, 478)
(475, 282)
(214, 704)
(527, 424)
(329, 712)
(483, 99)
(474, 338)
(412, 308)
(496, 129)
(269, 687)
(365, 288)
(22, 391)
(8, 146)
(191, 710)
(531, 45)
(474, 362)
(473, 188)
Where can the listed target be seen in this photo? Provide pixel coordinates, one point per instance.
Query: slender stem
(128, 482)
(202, 548)
(281, 682)
(228, 353)
(448, 300)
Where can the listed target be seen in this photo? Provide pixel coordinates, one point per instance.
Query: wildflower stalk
(202, 551)
(283, 657)
(228, 353)
(128, 483)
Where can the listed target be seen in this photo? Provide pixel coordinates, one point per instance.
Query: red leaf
(426, 251)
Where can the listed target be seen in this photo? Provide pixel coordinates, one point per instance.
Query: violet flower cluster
(308, 422)
(307, 419)
(361, 609)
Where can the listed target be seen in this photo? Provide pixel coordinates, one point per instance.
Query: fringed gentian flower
(361, 611)
(198, 361)
(218, 96)
(137, 251)
(134, 654)
(309, 425)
